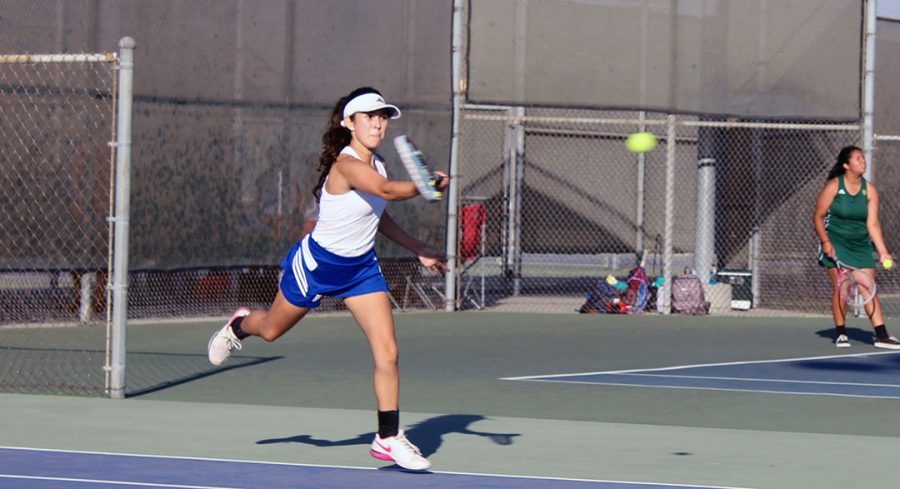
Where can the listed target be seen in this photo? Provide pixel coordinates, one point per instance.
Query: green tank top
(845, 224)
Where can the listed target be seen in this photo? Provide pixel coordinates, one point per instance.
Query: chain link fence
(568, 205)
(562, 202)
(57, 119)
(220, 193)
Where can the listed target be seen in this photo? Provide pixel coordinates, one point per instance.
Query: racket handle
(433, 183)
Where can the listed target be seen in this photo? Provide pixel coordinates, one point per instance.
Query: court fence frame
(675, 204)
(65, 215)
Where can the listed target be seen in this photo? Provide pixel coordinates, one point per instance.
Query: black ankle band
(388, 423)
(236, 328)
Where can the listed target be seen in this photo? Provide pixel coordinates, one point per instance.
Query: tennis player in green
(846, 222)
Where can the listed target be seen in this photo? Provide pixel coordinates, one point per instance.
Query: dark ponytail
(842, 158)
(336, 137)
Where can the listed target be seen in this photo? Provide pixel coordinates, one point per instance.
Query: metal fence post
(668, 226)
(705, 240)
(452, 245)
(516, 172)
(123, 191)
(868, 109)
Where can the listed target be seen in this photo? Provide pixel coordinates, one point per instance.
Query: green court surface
(307, 398)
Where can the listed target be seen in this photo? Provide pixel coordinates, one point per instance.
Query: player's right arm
(349, 173)
(826, 198)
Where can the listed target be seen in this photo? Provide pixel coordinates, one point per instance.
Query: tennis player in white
(337, 259)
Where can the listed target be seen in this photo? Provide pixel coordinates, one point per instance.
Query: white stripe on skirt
(299, 274)
(311, 263)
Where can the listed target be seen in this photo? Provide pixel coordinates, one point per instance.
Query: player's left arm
(873, 224)
(428, 256)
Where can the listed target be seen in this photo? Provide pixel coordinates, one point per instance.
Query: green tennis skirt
(858, 253)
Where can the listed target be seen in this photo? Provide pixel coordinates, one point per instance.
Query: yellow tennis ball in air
(888, 264)
(640, 142)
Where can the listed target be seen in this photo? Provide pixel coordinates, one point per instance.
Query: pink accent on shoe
(380, 456)
(240, 313)
(381, 446)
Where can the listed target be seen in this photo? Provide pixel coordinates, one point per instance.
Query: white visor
(369, 102)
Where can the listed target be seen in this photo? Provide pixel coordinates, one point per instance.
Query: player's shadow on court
(427, 435)
(856, 335)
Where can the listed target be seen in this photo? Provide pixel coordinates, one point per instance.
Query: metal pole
(754, 266)
(453, 191)
(509, 159)
(704, 240)
(755, 242)
(639, 208)
(517, 176)
(642, 115)
(666, 289)
(517, 158)
(868, 129)
(123, 191)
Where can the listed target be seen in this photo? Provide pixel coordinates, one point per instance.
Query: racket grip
(433, 182)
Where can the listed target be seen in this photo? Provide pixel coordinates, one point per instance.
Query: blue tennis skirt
(311, 272)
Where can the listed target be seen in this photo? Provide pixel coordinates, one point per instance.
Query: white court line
(753, 379)
(680, 367)
(176, 457)
(722, 389)
(111, 482)
(474, 474)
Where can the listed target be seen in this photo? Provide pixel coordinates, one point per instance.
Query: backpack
(601, 298)
(687, 296)
(638, 293)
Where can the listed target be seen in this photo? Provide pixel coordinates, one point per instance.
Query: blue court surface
(857, 375)
(46, 469)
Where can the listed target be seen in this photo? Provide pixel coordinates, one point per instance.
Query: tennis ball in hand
(640, 142)
(888, 264)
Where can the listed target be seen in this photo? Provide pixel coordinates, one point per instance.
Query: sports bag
(687, 296)
(601, 298)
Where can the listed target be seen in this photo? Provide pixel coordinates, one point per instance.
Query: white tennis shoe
(224, 341)
(399, 450)
(889, 343)
(842, 341)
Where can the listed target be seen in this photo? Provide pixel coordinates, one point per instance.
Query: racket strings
(856, 287)
(418, 168)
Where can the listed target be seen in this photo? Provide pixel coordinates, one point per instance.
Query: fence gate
(57, 122)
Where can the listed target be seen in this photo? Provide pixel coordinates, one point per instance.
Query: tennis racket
(855, 287)
(638, 291)
(419, 171)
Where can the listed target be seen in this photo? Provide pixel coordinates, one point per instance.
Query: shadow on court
(152, 372)
(848, 366)
(427, 435)
(856, 335)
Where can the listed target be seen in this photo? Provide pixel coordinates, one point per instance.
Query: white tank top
(348, 222)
